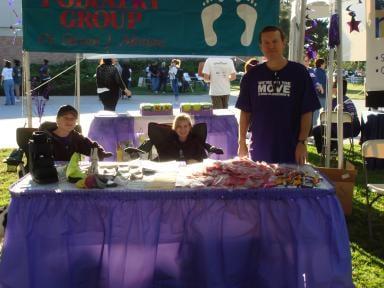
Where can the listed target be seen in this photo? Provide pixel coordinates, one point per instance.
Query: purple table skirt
(193, 238)
(110, 131)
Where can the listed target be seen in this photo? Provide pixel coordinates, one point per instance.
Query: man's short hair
(272, 29)
(45, 61)
(107, 61)
(319, 62)
(67, 109)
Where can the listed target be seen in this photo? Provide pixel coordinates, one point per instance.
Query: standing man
(44, 77)
(321, 76)
(278, 98)
(316, 84)
(17, 77)
(219, 72)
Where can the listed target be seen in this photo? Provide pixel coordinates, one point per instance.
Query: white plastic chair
(347, 118)
(372, 149)
(188, 79)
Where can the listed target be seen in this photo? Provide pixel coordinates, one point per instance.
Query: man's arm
(232, 76)
(301, 146)
(207, 78)
(243, 128)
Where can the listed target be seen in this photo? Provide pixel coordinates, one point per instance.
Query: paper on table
(162, 181)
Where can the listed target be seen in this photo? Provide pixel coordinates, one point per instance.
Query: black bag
(15, 158)
(179, 74)
(41, 158)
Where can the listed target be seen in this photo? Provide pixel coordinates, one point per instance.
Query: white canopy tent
(321, 9)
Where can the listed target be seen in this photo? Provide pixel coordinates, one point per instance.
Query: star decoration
(353, 25)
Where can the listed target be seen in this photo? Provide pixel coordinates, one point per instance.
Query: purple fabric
(109, 131)
(222, 133)
(334, 33)
(276, 101)
(192, 238)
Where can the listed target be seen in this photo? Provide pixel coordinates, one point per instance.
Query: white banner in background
(375, 52)
(353, 41)
(379, 18)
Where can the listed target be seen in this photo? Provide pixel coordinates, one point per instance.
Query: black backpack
(41, 158)
(179, 74)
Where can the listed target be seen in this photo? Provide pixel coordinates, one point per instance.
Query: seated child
(182, 145)
(66, 140)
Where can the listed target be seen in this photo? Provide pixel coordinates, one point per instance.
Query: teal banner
(169, 27)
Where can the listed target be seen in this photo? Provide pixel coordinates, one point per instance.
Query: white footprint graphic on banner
(211, 12)
(247, 12)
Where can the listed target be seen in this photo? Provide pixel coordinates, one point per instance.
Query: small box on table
(149, 109)
(203, 108)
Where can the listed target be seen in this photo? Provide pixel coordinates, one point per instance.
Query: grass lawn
(356, 91)
(367, 255)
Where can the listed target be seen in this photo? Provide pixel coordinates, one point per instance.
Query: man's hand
(301, 153)
(127, 92)
(320, 88)
(243, 150)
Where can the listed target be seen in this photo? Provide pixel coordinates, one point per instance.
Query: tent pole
(77, 81)
(328, 107)
(340, 91)
(294, 31)
(27, 87)
(300, 49)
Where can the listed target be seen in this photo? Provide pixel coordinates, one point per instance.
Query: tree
(316, 36)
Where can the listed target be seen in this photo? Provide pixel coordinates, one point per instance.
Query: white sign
(375, 52)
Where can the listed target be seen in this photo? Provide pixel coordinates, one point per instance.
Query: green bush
(65, 83)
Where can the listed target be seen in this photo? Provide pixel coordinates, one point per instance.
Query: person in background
(321, 76)
(67, 141)
(109, 83)
(126, 75)
(219, 72)
(252, 62)
(7, 83)
(182, 145)
(348, 129)
(155, 80)
(318, 87)
(44, 77)
(173, 68)
(163, 78)
(17, 77)
(115, 62)
(277, 97)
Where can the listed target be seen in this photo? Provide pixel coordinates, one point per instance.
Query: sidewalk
(11, 117)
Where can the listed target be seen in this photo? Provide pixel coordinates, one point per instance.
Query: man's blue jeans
(155, 81)
(175, 87)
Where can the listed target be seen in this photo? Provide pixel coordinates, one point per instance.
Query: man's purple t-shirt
(276, 101)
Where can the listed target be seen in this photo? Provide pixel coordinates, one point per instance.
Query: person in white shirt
(172, 72)
(219, 72)
(8, 84)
